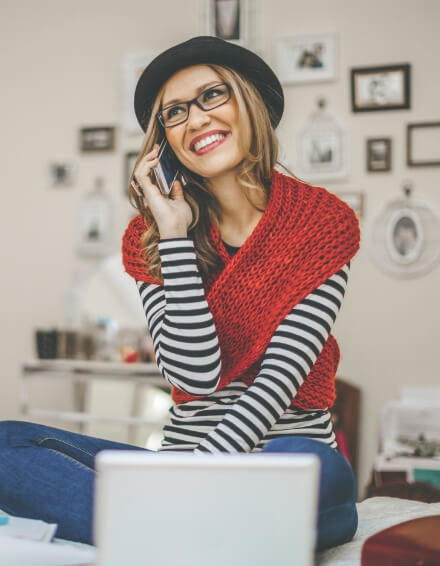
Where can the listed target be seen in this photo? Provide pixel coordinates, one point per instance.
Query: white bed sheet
(375, 514)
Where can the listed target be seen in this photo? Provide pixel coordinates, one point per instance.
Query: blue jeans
(48, 473)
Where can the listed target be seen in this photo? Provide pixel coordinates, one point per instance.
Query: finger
(177, 190)
(143, 170)
(153, 152)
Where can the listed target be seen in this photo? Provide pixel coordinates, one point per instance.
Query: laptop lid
(205, 510)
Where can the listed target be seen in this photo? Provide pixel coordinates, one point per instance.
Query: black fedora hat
(207, 49)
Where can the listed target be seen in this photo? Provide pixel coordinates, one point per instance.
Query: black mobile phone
(167, 170)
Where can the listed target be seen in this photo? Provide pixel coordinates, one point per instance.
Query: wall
(61, 65)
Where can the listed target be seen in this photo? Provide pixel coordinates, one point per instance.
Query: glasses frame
(189, 103)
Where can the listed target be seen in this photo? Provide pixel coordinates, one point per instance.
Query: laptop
(205, 510)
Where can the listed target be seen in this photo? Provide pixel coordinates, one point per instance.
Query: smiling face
(208, 143)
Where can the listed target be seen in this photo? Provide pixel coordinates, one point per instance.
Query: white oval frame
(415, 252)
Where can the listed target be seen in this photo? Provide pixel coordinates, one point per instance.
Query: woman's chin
(216, 169)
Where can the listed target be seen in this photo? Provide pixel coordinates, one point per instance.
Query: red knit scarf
(305, 235)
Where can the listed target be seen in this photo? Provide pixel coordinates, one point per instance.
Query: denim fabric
(337, 514)
(48, 473)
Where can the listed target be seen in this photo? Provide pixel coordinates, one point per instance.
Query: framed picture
(355, 199)
(321, 154)
(380, 88)
(405, 236)
(61, 174)
(306, 58)
(379, 154)
(423, 144)
(228, 19)
(132, 67)
(97, 139)
(130, 160)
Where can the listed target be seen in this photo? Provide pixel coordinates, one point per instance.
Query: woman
(241, 273)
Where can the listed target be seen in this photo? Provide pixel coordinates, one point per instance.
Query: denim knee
(337, 481)
(337, 514)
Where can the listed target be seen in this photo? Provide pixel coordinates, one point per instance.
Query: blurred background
(68, 142)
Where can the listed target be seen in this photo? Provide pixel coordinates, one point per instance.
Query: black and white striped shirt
(239, 418)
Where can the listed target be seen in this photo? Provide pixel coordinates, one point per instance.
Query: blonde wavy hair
(253, 174)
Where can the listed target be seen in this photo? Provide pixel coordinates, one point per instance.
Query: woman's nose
(197, 117)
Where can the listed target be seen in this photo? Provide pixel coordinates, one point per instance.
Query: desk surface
(90, 366)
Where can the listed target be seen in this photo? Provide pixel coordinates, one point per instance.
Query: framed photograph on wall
(378, 154)
(132, 67)
(423, 144)
(380, 88)
(354, 199)
(228, 20)
(97, 139)
(61, 174)
(405, 236)
(306, 58)
(322, 151)
(130, 160)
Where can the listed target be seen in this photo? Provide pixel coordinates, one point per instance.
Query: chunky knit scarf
(305, 235)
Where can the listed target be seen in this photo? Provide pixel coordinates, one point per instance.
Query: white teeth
(206, 141)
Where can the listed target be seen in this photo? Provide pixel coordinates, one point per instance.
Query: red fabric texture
(305, 235)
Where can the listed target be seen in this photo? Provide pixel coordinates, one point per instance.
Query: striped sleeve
(288, 359)
(180, 322)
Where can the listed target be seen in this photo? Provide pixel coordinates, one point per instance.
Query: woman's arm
(288, 359)
(180, 322)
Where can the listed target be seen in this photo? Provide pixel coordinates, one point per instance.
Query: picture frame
(101, 138)
(355, 199)
(423, 144)
(404, 236)
(228, 20)
(61, 174)
(130, 160)
(380, 88)
(322, 151)
(133, 66)
(378, 154)
(306, 58)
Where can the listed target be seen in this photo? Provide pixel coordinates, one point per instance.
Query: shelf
(82, 373)
(79, 417)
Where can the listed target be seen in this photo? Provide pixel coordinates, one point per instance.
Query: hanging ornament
(321, 147)
(94, 226)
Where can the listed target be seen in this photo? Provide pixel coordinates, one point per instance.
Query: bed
(375, 514)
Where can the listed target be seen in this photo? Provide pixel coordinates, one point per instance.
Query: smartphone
(167, 170)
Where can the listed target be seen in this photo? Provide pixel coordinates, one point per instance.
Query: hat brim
(207, 49)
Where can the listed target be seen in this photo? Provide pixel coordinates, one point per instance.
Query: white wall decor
(94, 224)
(306, 58)
(321, 147)
(133, 66)
(228, 19)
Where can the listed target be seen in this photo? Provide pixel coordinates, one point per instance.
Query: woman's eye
(213, 93)
(173, 111)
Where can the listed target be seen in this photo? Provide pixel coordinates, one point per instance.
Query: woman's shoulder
(320, 208)
(132, 257)
(317, 194)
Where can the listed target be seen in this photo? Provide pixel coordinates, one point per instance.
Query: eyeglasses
(210, 98)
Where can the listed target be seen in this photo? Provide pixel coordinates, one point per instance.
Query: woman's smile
(208, 141)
